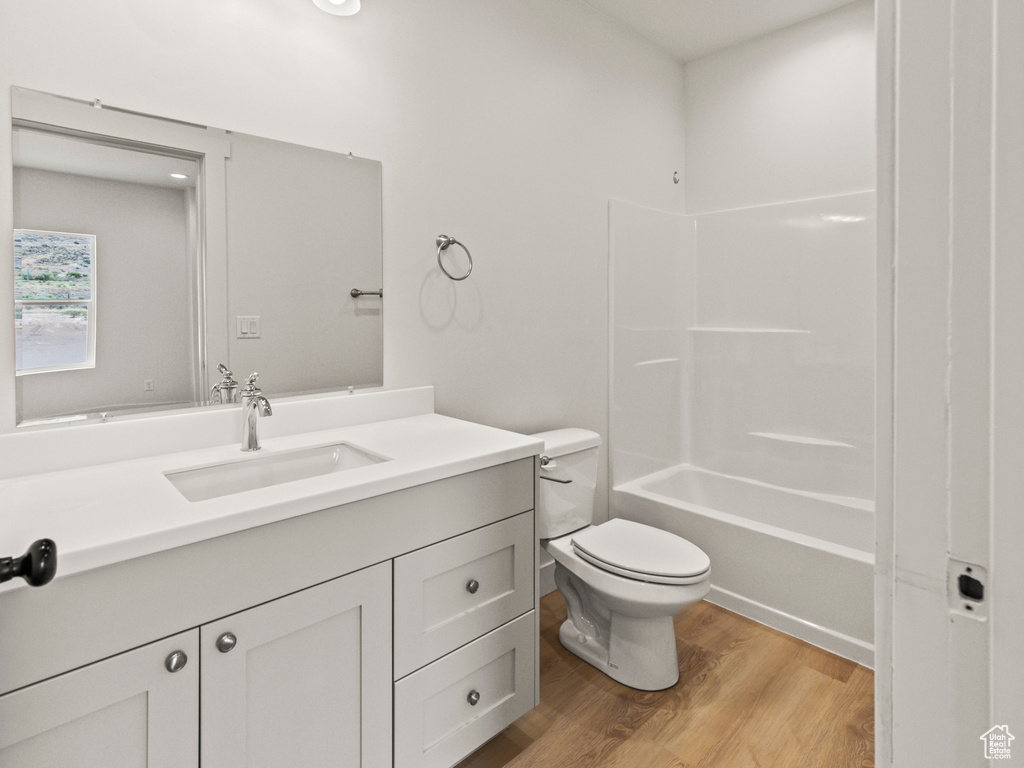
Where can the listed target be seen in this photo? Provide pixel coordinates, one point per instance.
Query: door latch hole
(971, 588)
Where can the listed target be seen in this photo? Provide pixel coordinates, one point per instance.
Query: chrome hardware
(355, 293)
(176, 661)
(227, 390)
(472, 586)
(443, 241)
(546, 462)
(473, 698)
(254, 405)
(37, 566)
(226, 642)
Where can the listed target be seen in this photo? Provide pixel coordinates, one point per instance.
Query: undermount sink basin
(260, 471)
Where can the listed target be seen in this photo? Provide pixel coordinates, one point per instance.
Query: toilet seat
(641, 552)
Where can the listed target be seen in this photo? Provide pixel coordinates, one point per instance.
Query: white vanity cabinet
(465, 641)
(303, 680)
(287, 631)
(134, 710)
(459, 589)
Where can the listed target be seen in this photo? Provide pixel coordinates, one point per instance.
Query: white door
(304, 680)
(1007, 520)
(951, 471)
(128, 711)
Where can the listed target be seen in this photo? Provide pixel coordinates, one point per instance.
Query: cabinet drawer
(452, 592)
(436, 725)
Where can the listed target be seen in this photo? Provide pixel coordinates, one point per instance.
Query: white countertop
(107, 513)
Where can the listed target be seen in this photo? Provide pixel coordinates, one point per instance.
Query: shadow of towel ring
(443, 241)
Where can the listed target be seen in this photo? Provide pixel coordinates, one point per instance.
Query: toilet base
(639, 653)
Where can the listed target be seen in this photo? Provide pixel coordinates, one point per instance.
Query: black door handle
(37, 566)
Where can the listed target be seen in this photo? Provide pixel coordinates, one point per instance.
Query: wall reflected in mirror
(139, 211)
(302, 229)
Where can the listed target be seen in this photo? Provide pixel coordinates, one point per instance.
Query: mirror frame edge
(8, 386)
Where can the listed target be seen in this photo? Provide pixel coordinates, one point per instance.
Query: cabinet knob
(473, 698)
(176, 661)
(226, 642)
(472, 586)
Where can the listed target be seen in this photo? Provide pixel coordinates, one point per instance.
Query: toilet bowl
(623, 582)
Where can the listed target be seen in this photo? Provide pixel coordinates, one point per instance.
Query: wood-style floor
(748, 696)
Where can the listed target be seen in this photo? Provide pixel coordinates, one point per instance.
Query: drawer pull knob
(473, 698)
(176, 661)
(472, 586)
(226, 642)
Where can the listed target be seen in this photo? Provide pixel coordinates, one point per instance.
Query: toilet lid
(641, 552)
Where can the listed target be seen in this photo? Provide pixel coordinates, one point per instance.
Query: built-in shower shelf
(714, 329)
(801, 439)
(659, 361)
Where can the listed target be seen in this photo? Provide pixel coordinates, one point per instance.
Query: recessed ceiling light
(179, 176)
(338, 7)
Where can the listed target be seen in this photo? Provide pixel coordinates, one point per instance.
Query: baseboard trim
(835, 642)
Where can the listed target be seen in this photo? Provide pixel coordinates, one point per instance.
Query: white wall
(788, 116)
(507, 124)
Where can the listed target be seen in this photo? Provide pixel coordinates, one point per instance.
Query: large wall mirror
(149, 251)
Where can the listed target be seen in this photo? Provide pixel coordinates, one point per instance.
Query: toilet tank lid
(558, 442)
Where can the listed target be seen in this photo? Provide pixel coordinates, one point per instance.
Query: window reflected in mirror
(54, 300)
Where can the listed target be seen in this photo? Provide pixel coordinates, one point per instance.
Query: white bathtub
(800, 562)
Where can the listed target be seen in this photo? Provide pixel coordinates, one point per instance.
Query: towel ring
(443, 241)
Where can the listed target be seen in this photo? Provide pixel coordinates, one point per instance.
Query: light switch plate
(247, 326)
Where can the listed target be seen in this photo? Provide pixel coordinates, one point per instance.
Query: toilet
(623, 582)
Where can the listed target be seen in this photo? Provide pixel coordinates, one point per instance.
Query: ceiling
(689, 29)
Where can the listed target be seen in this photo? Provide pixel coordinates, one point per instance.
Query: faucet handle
(251, 390)
(226, 390)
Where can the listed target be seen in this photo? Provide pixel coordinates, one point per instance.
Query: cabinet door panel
(307, 682)
(127, 711)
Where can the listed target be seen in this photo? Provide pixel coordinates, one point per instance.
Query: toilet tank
(564, 507)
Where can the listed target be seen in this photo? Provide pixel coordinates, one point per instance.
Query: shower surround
(742, 396)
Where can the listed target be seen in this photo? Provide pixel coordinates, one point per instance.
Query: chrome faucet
(254, 405)
(227, 390)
